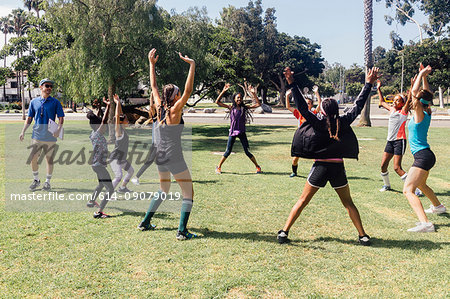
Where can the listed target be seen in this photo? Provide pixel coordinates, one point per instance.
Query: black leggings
(104, 180)
(244, 142)
(150, 159)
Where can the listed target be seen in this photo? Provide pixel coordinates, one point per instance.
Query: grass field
(236, 215)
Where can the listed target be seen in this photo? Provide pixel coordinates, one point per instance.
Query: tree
(111, 40)
(6, 27)
(364, 121)
(438, 13)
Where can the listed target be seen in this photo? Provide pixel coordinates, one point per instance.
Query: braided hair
(167, 101)
(330, 109)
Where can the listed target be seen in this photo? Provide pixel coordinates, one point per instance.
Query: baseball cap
(46, 80)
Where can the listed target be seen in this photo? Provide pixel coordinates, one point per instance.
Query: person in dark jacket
(327, 138)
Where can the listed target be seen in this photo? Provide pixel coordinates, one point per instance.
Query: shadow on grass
(252, 236)
(129, 212)
(385, 243)
(359, 178)
(215, 131)
(447, 193)
(214, 144)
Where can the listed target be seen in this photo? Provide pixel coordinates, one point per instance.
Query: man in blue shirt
(43, 109)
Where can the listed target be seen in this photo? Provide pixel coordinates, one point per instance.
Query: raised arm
(288, 105)
(152, 59)
(218, 100)
(319, 99)
(353, 112)
(118, 114)
(252, 91)
(299, 100)
(189, 85)
(105, 116)
(407, 107)
(422, 74)
(382, 102)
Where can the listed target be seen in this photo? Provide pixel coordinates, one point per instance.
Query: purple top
(237, 121)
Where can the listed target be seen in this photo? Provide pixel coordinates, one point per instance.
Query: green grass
(237, 215)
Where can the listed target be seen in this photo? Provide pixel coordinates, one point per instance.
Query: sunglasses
(48, 86)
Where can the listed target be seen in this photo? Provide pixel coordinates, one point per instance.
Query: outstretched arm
(252, 92)
(218, 102)
(189, 85)
(407, 105)
(153, 58)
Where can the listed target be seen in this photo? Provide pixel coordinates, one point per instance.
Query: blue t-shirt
(418, 133)
(42, 110)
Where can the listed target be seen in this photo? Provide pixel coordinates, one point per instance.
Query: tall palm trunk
(4, 65)
(368, 59)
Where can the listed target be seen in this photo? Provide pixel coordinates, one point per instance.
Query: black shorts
(323, 172)
(396, 147)
(174, 167)
(424, 159)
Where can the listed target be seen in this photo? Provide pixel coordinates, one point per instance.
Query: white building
(8, 93)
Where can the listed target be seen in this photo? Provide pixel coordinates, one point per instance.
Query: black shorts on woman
(312, 140)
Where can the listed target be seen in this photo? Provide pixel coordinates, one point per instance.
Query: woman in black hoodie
(327, 138)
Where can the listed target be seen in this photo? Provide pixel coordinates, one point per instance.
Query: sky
(336, 25)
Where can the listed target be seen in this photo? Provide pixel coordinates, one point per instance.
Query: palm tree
(6, 27)
(368, 58)
(20, 25)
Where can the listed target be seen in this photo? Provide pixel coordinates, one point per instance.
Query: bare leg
(185, 181)
(385, 161)
(398, 165)
(305, 198)
(295, 161)
(416, 177)
(346, 199)
(253, 159)
(221, 161)
(164, 181)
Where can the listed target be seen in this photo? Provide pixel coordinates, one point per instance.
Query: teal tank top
(418, 133)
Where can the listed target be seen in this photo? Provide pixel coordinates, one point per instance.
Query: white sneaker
(418, 192)
(385, 188)
(135, 181)
(422, 227)
(436, 210)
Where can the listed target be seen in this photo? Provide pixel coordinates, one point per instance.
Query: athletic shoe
(364, 240)
(123, 190)
(101, 215)
(283, 237)
(46, 186)
(135, 181)
(144, 228)
(258, 169)
(181, 236)
(418, 192)
(35, 184)
(292, 175)
(92, 203)
(385, 188)
(218, 170)
(436, 210)
(422, 227)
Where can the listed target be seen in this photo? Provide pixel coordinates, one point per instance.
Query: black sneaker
(46, 186)
(185, 235)
(101, 215)
(364, 240)
(123, 190)
(283, 237)
(35, 184)
(144, 228)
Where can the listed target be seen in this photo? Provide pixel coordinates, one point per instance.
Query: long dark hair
(330, 109)
(425, 95)
(166, 101)
(247, 112)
